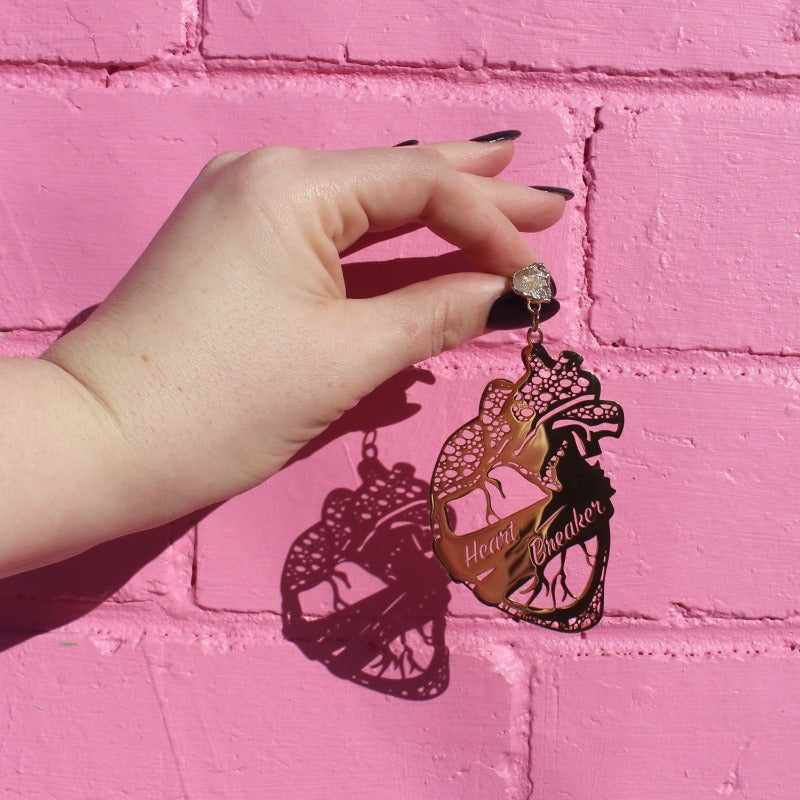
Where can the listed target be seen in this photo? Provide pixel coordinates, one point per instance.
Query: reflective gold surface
(544, 558)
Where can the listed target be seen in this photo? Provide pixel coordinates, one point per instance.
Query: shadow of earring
(361, 590)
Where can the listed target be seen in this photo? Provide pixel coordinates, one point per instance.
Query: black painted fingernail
(498, 136)
(567, 194)
(406, 143)
(511, 311)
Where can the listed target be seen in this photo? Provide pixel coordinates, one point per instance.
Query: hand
(231, 342)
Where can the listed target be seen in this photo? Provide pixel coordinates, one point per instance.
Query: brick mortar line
(529, 654)
(472, 362)
(595, 347)
(648, 365)
(705, 357)
(494, 67)
(31, 331)
(589, 180)
(194, 64)
(682, 618)
(477, 363)
(182, 618)
(647, 640)
(202, 13)
(531, 709)
(188, 608)
(784, 358)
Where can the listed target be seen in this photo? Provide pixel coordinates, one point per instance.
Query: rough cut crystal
(534, 282)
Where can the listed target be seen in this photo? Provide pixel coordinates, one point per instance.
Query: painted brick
(706, 510)
(694, 247)
(254, 29)
(243, 545)
(632, 37)
(77, 723)
(692, 242)
(641, 727)
(43, 30)
(202, 716)
(25, 344)
(152, 567)
(88, 177)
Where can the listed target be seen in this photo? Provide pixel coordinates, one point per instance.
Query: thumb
(421, 320)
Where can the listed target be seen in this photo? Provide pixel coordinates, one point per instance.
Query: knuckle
(270, 171)
(246, 179)
(272, 160)
(439, 177)
(445, 328)
(432, 162)
(495, 227)
(218, 162)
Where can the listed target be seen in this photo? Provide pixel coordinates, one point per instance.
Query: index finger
(384, 188)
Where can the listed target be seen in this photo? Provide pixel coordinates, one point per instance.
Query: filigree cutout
(544, 562)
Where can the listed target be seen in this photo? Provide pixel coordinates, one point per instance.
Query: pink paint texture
(85, 32)
(166, 664)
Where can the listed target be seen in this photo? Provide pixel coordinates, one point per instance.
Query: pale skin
(185, 387)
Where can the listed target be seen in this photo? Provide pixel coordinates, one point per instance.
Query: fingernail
(567, 194)
(406, 143)
(511, 311)
(498, 136)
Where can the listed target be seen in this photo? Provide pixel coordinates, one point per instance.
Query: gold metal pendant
(519, 510)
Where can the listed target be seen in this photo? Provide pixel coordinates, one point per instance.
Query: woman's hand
(231, 342)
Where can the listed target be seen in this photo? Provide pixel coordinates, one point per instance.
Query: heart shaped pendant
(520, 509)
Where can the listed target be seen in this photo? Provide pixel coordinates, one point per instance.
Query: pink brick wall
(165, 665)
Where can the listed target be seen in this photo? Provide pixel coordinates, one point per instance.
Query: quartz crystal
(533, 282)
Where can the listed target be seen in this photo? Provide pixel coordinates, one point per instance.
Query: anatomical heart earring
(519, 510)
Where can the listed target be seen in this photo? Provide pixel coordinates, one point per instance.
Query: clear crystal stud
(533, 282)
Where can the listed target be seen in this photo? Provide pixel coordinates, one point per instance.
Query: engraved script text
(496, 543)
(542, 550)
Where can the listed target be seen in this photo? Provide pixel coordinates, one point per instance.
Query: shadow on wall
(37, 601)
(362, 592)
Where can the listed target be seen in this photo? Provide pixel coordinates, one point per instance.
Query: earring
(520, 509)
